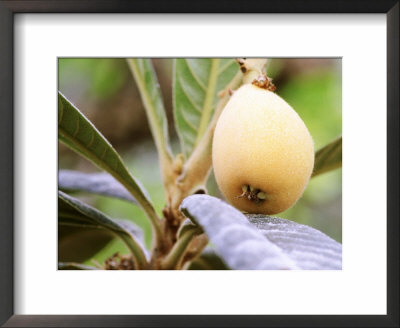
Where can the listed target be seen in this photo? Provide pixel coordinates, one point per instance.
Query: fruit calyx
(253, 194)
(264, 82)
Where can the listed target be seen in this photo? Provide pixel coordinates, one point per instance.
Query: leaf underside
(98, 183)
(261, 242)
(308, 247)
(75, 211)
(240, 244)
(197, 82)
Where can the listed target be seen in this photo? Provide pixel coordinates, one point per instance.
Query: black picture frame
(11, 7)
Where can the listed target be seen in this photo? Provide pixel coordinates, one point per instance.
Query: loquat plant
(228, 118)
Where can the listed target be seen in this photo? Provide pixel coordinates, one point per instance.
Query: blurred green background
(104, 90)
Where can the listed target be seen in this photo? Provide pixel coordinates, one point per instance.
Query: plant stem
(136, 250)
(150, 212)
(175, 256)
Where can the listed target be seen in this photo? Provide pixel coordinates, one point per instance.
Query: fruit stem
(251, 68)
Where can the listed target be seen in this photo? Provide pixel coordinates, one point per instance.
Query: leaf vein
(225, 67)
(61, 113)
(91, 140)
(104, 153)
(76, 128)
(195, 77)
(196, 107)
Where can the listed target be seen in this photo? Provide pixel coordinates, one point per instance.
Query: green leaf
(309, 248)
(146, 80)
(79, 244)
(75, 213)
(195, 94)
(77, 132)
(208, 260)
(74, 266)
(328, 158)
(97, 183)
(239, 243)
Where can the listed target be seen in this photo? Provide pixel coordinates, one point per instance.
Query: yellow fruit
(263, 154)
